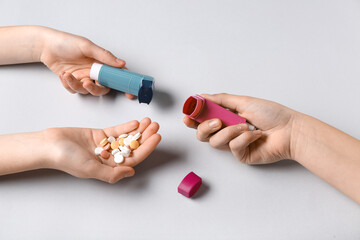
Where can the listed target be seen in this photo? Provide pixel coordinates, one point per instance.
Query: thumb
(102, 55)
(109, 174)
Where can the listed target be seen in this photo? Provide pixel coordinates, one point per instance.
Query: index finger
(98, 53)
(190, 123)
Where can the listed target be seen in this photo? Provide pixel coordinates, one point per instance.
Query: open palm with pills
(75, 150)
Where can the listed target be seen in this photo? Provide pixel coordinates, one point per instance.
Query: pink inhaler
(189, 185)
(201, 109)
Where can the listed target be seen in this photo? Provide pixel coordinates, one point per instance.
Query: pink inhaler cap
(189, 185)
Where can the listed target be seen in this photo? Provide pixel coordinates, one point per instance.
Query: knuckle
(203, 128)
(213, 143)
(227, 131)
(85, 43)
(220, 95)
(199, 136)
(247, 136)
(233, 146)
(84, 39)
(106, 52)
(111, 181)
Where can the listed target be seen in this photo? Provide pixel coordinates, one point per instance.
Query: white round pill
(115, 151)
(124, 154)
(136, 136)
(123, 135)
(98, 150)
(111, 139)
(128, 140)
(125, 151)
(118, 158)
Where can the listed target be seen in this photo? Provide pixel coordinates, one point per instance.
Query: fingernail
(251, 127)
(242, 127)
(129, 175)
(256, 132)
(213, 123)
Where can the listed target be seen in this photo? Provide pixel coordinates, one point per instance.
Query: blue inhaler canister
(123, 80)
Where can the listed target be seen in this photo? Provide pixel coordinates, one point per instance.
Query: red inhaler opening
(192, 107)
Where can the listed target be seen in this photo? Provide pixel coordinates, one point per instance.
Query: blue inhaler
(123, 80)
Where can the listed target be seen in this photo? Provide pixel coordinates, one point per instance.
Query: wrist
(37, 149)
(40, 39)
(52, 153)
(35, 39)
(302, 131)
(44, 148)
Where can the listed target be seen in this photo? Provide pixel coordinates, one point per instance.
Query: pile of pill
(119, 148)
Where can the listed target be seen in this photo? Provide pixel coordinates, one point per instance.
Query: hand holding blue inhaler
(124, 80)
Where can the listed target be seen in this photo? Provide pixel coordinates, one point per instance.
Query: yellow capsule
(115, 145)
(104, 142)
(134, 144)
(121, 141)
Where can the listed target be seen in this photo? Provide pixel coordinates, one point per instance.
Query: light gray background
(303, 54)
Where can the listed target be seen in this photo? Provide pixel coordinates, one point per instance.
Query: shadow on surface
(202, 191)
(163, 99)
(109, 97)
(283, 165)
(34, 175)
(25, 66)
(159, 159)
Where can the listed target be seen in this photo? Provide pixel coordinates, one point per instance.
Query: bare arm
(285, 134)
(21, 44)
(329, 153)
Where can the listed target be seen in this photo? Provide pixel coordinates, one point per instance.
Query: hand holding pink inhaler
(201, 109)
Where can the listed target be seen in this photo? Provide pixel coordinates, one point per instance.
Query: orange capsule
(115, 145)
(121, 141)
(104, 142)
(134, 144)
(105, 154)
(107, 147)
